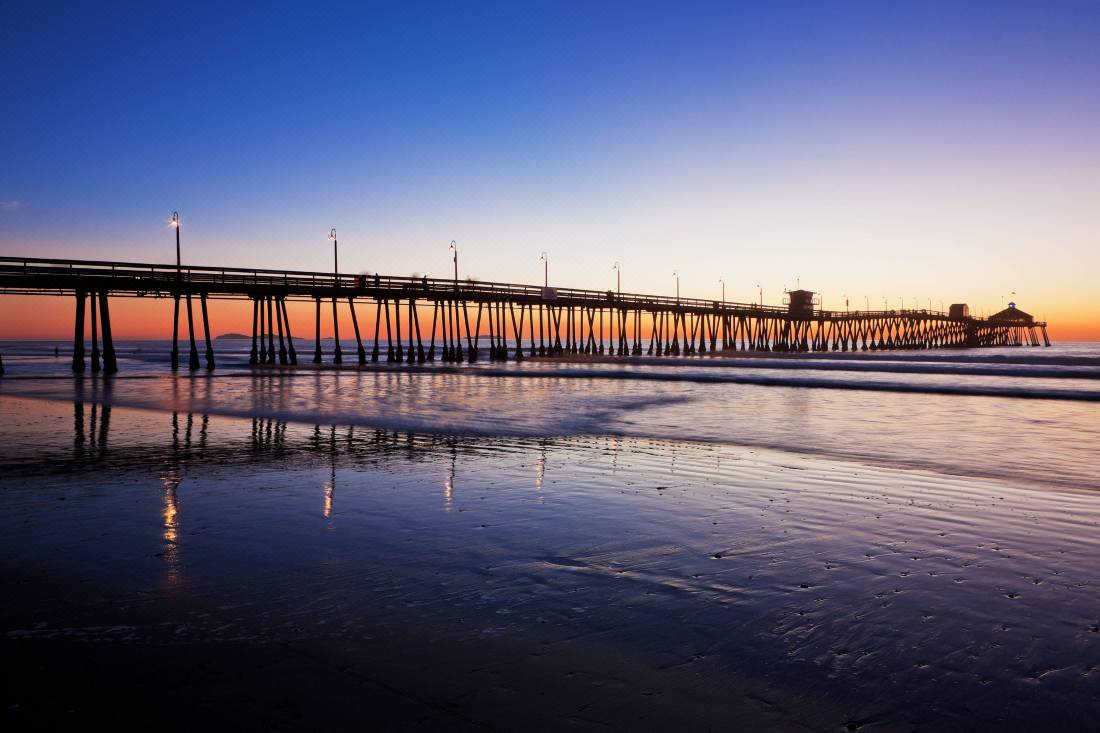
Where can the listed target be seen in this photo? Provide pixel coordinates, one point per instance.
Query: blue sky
(854, 145)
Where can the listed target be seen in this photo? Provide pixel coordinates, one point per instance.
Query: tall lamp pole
(618, 278)
(454, 249)
(722, 282)
(337, 355)
(545, 259)
(175, 222)
(335, 252)
(676, 274)
(176, 226)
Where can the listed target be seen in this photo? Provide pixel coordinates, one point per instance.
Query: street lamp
(337, 355)
(722, 282)
(761, 294)
(175, 356)
(176, 225)
(454, 248)
(335, 258)
(618, 278)
(676, 274)
(545, 259)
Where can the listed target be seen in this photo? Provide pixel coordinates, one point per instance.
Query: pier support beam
(193, 360)
(78, 335)
(110, 362)
(206, 332)
(253, 355)
(337, 354)
(175, 356)
(281, 307)
(317, 330)
(283, 360)
(360, 351)
(96, 367)
(270, 331)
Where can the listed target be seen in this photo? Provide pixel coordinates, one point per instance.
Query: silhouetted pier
(452, 318)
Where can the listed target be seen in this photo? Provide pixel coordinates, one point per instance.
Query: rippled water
(657, 549)
(891, 408)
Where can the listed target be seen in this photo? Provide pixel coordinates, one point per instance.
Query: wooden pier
(451, 319)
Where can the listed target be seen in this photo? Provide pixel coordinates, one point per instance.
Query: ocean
(870, 541)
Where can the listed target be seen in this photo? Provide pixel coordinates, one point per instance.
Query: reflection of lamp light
(170, 521)
(330, 488)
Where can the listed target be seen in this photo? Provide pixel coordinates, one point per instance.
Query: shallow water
(959, 423)
(805, 558)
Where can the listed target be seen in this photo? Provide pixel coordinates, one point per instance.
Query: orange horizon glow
(51, 318)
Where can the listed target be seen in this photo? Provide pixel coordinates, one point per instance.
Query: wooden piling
(175, 356)
(110, 362)
(317, 334)
(206, 332)
(95, 341)
(359, 350)
(337, 353)
(271, 353)
(78, 334)
(193, 357)
(284, 356)
(292, 352)
(252, 354)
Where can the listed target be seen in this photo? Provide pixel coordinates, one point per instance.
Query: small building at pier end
(1012, 314)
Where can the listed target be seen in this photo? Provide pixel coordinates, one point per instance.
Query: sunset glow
(916, 152)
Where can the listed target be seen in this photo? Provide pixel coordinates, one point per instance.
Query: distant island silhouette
(242, 337)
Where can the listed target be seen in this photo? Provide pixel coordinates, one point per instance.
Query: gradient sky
(946, 150)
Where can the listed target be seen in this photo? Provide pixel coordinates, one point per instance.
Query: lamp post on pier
(545, 259)
(175, 224)
(761, 294)
(676, 274)
(454, 248)
(618, 278)
(335, 252)
(722, 282)
(337, 355)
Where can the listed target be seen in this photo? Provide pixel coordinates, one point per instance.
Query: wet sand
(181, 568)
